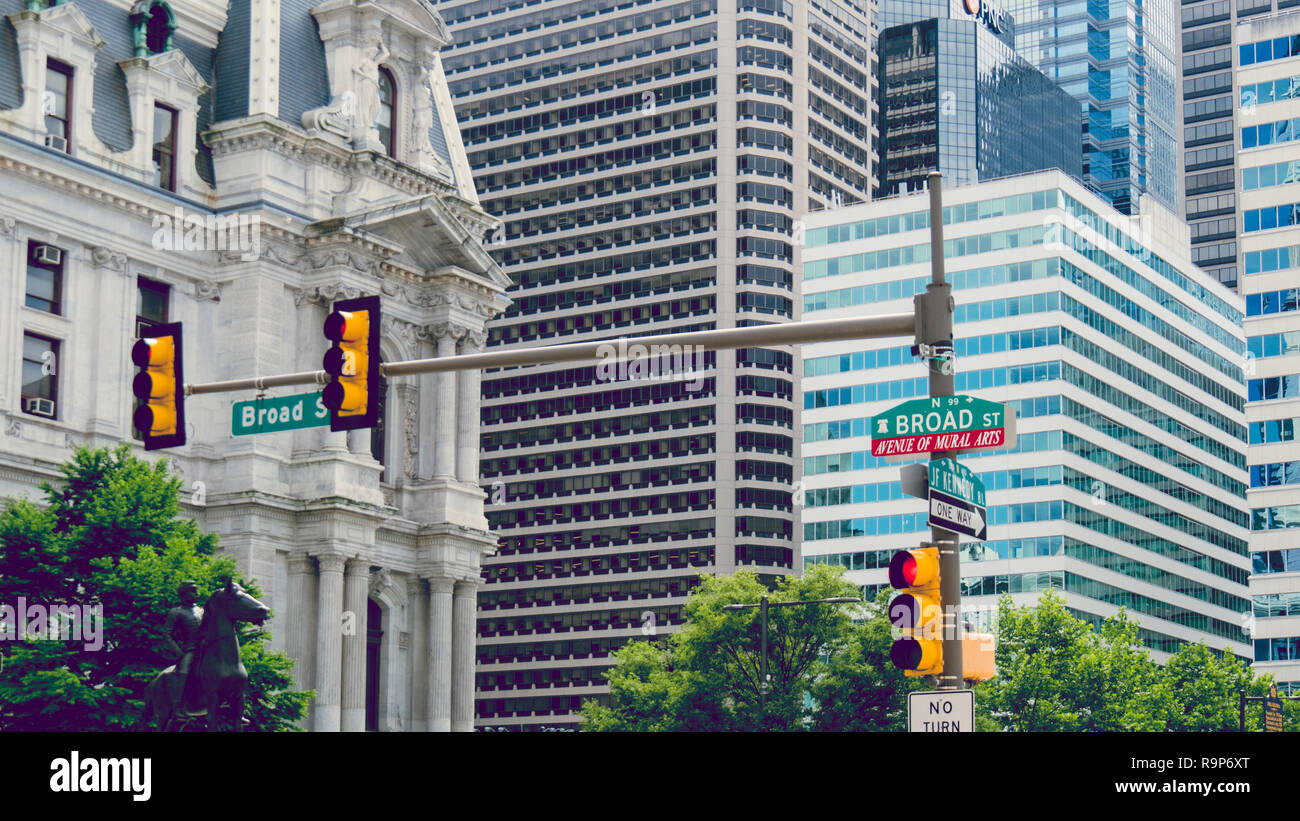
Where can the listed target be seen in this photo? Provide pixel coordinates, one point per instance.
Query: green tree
(707, 676)
(111, 536)
(1056, 673)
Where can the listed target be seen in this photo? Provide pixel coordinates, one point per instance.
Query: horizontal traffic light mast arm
(821, 330)
(791, 333)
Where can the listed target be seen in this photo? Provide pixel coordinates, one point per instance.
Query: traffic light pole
(934, 334)
(791, 333)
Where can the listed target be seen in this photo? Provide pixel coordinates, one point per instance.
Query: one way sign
(957, 515)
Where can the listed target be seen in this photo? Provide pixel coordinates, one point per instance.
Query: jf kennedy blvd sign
(942, 423)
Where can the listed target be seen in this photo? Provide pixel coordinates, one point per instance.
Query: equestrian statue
(208, 672)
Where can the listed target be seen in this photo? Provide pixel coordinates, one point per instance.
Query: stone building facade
(237, 166)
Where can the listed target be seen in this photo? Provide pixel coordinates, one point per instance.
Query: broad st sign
(942, 423)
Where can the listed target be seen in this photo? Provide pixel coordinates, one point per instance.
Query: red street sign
(942, 423)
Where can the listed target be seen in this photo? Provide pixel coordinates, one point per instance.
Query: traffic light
(917, 611)
(353, 393)
(160, 417)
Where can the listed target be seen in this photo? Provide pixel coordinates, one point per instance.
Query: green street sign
(955, 479)
(942, 423)
(273, 414)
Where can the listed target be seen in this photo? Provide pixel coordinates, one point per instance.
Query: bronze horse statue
(217, 676)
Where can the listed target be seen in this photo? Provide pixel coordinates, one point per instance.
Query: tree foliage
(1056, 673)
(110, 535)
(824, 668)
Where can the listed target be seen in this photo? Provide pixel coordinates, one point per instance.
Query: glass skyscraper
(650, 162)
(1117, 59)
(1127, 486)
(955, 97)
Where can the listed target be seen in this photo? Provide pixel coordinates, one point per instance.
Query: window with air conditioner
(57, 106)
(44, 278)
(40, 376)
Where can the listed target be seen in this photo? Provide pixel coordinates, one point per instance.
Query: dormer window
(386, 121)
(57, 105)
(152, 24)
(164, 147)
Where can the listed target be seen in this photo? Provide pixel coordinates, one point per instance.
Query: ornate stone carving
(333, 257)
(380, 581)
(101, 257)
(13, 427)
(411, 422)
(324, 294)
(7, 226)
(335, 118)
(207, 290)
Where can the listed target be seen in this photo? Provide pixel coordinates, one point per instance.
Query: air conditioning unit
(38, 406)
(47, 255)
(56, 142)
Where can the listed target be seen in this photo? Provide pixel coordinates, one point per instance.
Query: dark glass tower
(955, 97)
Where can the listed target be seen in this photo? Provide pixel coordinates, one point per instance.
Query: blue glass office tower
(955, 97)
(1117, 59)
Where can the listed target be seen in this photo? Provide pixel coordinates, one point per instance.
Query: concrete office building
(302, 152)
(650, 163)
(1124, 362)
(1267, 92)
(1210, 129)
(955, 97)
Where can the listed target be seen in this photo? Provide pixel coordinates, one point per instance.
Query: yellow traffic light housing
(353, 393)
(917, 612)
(161, 387)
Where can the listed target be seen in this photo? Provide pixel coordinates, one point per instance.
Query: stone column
(329, 642)
(355, 590)
(467, 414)
(440, 654)
(300, 636)
(464, 609)
(444, 438)
(417, 650)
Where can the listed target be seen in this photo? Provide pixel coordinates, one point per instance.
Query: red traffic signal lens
(914, 568)
(347, 326)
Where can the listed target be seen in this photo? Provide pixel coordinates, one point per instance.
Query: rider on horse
(182, 632)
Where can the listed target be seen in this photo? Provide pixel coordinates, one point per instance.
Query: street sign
(957, 499)
(942, 423)
(1272, 711)
(943, 711)
(951, 513)
(955, 479)
(273, 414)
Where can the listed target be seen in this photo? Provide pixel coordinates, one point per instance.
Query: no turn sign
(944, 711)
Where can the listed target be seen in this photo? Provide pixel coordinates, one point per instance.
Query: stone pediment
(64, 18)
(174, 66)
(431, 237)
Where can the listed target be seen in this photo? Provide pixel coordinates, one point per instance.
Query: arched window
(386, 120)
(152, 23)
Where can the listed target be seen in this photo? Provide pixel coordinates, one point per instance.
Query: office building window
(57, 105)
(386, 121)
(40, 375)
(164, 147)
(44, 278)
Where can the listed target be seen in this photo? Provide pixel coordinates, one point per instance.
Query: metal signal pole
(934, 336)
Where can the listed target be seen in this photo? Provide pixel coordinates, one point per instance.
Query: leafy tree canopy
(110, 536)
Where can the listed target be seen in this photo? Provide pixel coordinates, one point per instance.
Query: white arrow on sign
(952, 514)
